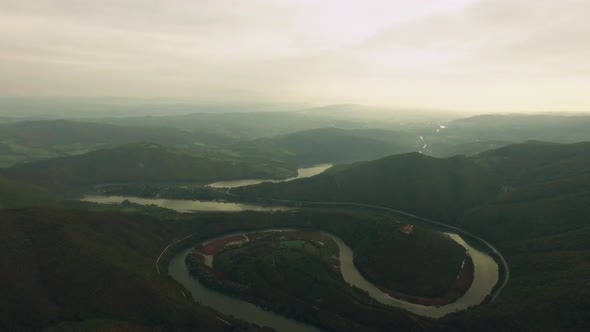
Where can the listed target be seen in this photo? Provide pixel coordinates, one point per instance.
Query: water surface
(485, 277)
(181, 205)
(301, 173)
(228, 305)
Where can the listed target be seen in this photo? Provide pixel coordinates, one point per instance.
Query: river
(301, 173)
(185, 206)
(228, 305)
(485, 268)
(485, 278)
(181, 205)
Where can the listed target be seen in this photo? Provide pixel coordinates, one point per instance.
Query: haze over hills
(27, 141)
(561, 128)
(139, 163)
(295, 166)
(471, 135)
(329, 145)
(61, 107)
(459, 183)
(65, 132)
(532, 200)
(242, 126)
(33, 140)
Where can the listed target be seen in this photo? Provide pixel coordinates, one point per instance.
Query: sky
(473, 55)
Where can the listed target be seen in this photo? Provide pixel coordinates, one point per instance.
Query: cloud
(496, 27)
(500, 54)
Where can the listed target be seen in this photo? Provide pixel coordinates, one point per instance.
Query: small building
(407, 229)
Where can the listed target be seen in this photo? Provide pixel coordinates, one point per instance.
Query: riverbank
(296, 273)
(458, 289)
(485, 277)
(350, 223)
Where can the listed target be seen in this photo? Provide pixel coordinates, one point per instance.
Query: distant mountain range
(329, 145)
(139, 163)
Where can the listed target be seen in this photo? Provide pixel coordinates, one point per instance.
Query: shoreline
(458, 288)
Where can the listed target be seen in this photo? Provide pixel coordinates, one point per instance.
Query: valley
(411, 240)
(294, 166)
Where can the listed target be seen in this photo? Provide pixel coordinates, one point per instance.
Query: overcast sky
(504, 55)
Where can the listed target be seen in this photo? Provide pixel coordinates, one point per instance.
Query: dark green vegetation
(17, 195)
(423, 264)
(95, 269)
(425, 185)
(146, 163)
(381, 250)
(531, 200)
(91, 270)
(299, 281)
(172, 191)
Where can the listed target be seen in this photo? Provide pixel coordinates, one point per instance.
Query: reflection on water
(301, 173)
(180, 205)
(228, 305)
(485, 277)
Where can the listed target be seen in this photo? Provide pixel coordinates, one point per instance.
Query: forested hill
(329, 145)
(18, 195)
(150, 163)
(444, 188)
(424, 185)
(63, 132)
(536, 161)
(531, 200)
(563, 128)
(28, 141)
(74, 270)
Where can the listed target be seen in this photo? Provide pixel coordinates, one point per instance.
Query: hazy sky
(506, 55)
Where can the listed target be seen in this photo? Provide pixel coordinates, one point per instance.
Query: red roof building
(407, 229)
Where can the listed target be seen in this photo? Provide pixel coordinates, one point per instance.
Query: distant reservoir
(301, 173)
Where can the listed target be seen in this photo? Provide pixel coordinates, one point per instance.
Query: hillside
(472, 135)
(18, 195)
(443, 187)
(90, 271)
(530, 200)
(148, 163)
(535, 161)
(328, 145)
(34, 140)
(240, 126)
(412, 182)
(521, 127)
